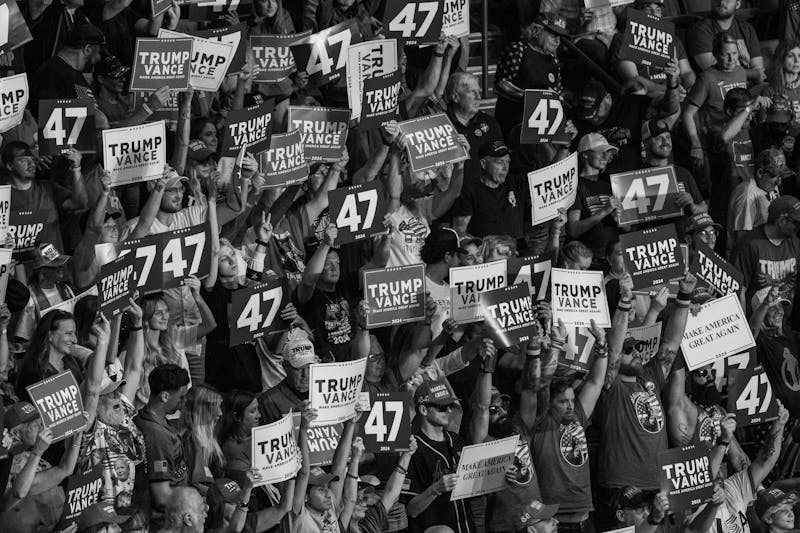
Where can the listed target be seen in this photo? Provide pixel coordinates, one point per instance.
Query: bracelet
(351, 476)
(75, 168)
(136, 328)
(623, 306)
(601, 351)
(685, 296)
(438, 54)
(556, 343)
(725, 443)
(400, 470)
(653, 522)
(262, 243)
(146, 109)
(243, 505)
(673, 87)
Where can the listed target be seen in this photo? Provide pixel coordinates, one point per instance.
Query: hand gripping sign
(285, 161)
(380, 102)
(323, 55)
(648, 40)
(750, 396)
(210, 60)
(66, 124)
(334, 389)
(578, 297)
(274, 452)
(367, 60)
(273, 59)
(431, 141)
(646, 194)
(59, 402)
(249, 126)
(685, 473)
(323, 131)
(455, 19)
(387, 427)
(395, 295)
(468, 283)
(416, 23)
(82, 490)
(652, 256)
(577, 349)
(358, 211)
(322, 441)
(543, 119)
(116, 285)
(552, 188)
(482, 468)
(719, 329)
(509, 315)
(148, 252)
(186, 252)
(256, 311)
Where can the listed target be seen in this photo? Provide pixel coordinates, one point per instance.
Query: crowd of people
(169, 405)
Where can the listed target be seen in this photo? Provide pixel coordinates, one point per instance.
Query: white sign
(579, 296)
(274, 451)
(5, 210)
(136, 153)
(718, 330)
(482, 468)
(553, 187)
(210, 60)
(334, 390)
(466, 285)
(368, 60)
(455, 19)
(14, 95)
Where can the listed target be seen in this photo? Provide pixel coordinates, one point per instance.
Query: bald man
(186, 511)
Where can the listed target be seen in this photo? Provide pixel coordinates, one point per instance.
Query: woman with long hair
(784, 76)
(200, 418)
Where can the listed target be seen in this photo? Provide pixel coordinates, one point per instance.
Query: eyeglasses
(494, 409)
(707, 234)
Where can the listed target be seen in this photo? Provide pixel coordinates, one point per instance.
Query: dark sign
(533, 270)
(358, 211)
(273, 57)
(646, 194)
(250, 127)
(256, 311)
(83, 490)
(323, 131)
(232, 35)
(25, 227)
(685, 474)
(186, 252)
(322, 441)
(395, 295)
(159, 61)
(720, 275)
(431, 141)
(509, 315)
(387, 427)
(750, 396)
(323, 55)
(652, 256)
(59, 402)
(65, 124)
(648, 40)
(285, 161)
(116, 285)
(543, 119)
(380, 100)
(415, 23)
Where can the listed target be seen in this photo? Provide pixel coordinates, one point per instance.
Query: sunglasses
(704, 372)
(447, 407)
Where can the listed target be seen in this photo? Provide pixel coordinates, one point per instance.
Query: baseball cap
(20, 413)
(369, 480)
(761, 294)
(780, 111)
(99, 513)
(554, 23)
(172, 180)
(497, 394)
(443, 238)
(768, 499)
(319, 478)
(631, 498)
(535, 511)
(589, 97)
(653, 128)
(199, 151)
(46, 255)
(595, 142)
(774, 161)
(494, 149)
(110, 67)
(784, 205)
(85, 34)
(110, 385)
(699, 221)
(299, 350)
(228, 489)
(641, 3)
(434, 392)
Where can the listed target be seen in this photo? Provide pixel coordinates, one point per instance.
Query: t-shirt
(700, 38)
(375, 520)
(328, 314)
(35, 512)
(708, 94)
(406, 238)
(778, 355)
(632, 418)
(592, 196)
(765, 264)
(493, 211)
(731, 163)
(432, 460)
(739, 493)
(42, 196)
(748, 206)
(481, 130)
(312, 522)
(165, 461)
(441, 295)
(561, 456)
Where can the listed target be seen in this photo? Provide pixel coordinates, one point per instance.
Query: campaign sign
(186, 252)
(323, 131)
(147, 267)
(231, 35)
(482, 468)
(720, 275)
(646, 194)
(552, 188)
(257, 311)
(646, 340)
(65, 124)
(116, 285)
(208, 11)
(210, 60)
(135, 153)
(157, 7)
(468, 283)
(273, 58)
(161, 61)
(5, 271)
(168, 112)
(322, 441)
(577, 349)
(368, 60)
(14, 31)
(717, 330)
(578, 297)
(652, 256)
(593, 4)
(416, 23)
(323, 55)
(274, 453)
(13, 99)
(750, 396)
(250, 127)
(543, 119)
(334, 389)
(395, 295)
(648, 40)
(59, 402)
(381, 98)
(432, 141)
(285, 161)
(685, 474)
(25, 227)
(533, 270)
(455, 19)
(82, 490)
(509, 315)
(5, 210)
(388, 424)
(358, 211)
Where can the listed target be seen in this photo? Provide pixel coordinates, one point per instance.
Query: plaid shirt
(603, 23)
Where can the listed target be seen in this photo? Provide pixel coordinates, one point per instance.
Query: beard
(706, 395)
(634, 368)
(501, 428)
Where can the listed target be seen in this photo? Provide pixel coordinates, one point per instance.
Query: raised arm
(593, 386)
(182, 128)
(207, 321)
(339, 463)
(315, 265)
(23, 483)
(319, 200)
(350, 491)
(150, 209)
(78, 199)
(134, 352)
(482, 397)
(676, 325)
(301, 481)
(92, 387)
(391, 492)
(770, 448)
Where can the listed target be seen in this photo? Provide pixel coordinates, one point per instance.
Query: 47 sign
(388, 424)
(323, 55)
(256, 311)
(187, 252)
(543, 119)
(416, 23)
(750, 397)
(646, 194)
(358, 211)
(66, 124)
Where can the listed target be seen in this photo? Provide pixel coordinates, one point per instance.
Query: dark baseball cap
(445, 239)
(319, 478)
(100, 513)
(653, 128)
(199, 151)
(631, 498)
(700, 221)
(535, 511)
(110, 67)
(768, 499)
(784, 205)
(20, 413)
(590, 95)
(780, 111)
(85, 33)
(494, 149)
(433, 392)
(554, 23)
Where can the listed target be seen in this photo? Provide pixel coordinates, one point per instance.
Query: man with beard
(112, 441)
(777, 346)
(723, 18)
(631, 413)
